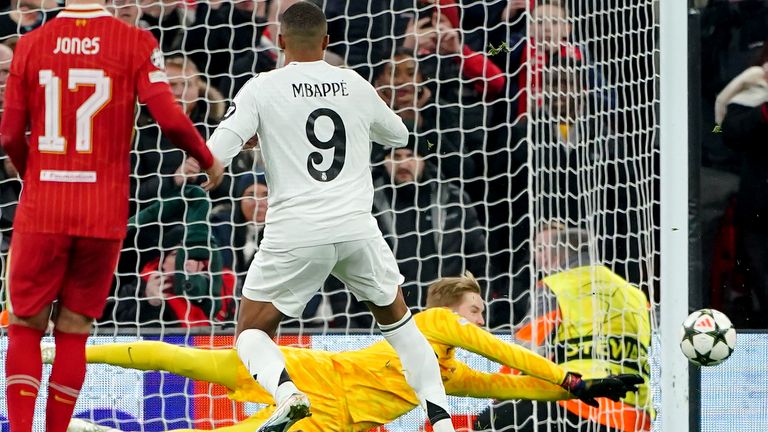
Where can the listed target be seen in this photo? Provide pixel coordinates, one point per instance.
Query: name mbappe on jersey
(320, 90)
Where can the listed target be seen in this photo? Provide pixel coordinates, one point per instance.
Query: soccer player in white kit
(315, 124)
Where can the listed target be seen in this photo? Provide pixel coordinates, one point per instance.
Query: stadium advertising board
(733, 394)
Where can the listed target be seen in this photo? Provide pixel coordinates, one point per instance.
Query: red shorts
(76, 271)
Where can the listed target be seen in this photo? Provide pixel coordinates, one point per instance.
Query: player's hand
(215, 175)
(613, 387)
(188, 170)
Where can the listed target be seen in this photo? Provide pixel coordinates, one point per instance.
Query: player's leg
(218, 366)
(36, 268)
(369, 270)
(422, 372)
(83, 294)
(278, 283)
(22, 371)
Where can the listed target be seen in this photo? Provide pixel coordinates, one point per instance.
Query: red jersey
(77, 79)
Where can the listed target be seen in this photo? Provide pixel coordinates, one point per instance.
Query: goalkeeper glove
(614, 387)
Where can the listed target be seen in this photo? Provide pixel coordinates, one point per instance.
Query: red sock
(66, 380)
(23, 368)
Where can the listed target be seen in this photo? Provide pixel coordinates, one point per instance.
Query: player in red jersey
(74, 82)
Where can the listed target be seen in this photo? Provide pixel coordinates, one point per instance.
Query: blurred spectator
(429, 224)
(574, 314)
(221, 37)
(159, 167)
(549, 38)
(576, 175)
(186, 285)
(741, 108)
(6, 55)
(486, 21)
(274, 10)
(125, 10)
(168, 21)
(401, 85)
(241, 225)
(460, 79)
(359, 32)
(23, 16)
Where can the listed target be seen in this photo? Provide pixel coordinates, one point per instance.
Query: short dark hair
(304, 22)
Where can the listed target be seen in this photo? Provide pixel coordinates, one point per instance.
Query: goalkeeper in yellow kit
(363, 389)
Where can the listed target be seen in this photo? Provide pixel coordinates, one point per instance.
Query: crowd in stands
(733, 198)
(458, 197)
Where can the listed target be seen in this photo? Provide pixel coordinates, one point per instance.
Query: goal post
(673, 130)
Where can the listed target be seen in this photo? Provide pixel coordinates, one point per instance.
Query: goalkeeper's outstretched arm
(468, 382)
(448, 328)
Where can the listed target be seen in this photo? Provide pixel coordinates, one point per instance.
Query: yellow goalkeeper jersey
(358, 390)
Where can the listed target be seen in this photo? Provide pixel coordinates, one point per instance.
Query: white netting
(526, 115)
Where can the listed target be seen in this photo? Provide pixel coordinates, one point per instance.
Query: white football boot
(293, 409)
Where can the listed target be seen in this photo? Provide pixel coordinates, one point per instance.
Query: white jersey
(315, 124)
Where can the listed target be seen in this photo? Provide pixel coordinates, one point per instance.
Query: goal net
(532, 162)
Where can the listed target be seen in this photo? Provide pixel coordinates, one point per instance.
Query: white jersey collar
(86, 10)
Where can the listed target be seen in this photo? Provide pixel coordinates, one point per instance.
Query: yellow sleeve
(467, 382)
(443, 326)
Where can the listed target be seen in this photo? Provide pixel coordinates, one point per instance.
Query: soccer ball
(707, 337)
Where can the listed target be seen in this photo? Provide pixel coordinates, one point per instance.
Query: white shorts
(289, 278)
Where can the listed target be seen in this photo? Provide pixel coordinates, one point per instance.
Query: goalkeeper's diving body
(363, 389)
(315, 124)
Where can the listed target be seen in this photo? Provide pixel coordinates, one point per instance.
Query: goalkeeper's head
(303, 32)
(461, 294)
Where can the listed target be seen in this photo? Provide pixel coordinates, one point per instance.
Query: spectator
(242, 224)
(359, 33)
(429, 224)
(401, 84)
(575, 302)
(741, 108)
(186, 285)
(466, 78)
(574, 167)
(168, 21)
(158, 167)
(6, 55)
(220, 37)
(23, 16)
(125, 10)
(549, 39)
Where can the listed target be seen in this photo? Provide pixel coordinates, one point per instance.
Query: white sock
(421, 369)
(265, 362)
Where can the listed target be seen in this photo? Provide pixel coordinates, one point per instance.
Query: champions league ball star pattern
(707, 337)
